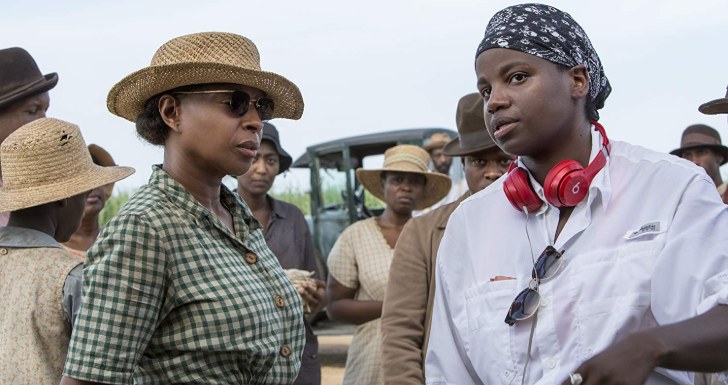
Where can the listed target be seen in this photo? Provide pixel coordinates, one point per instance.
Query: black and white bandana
(551, 34)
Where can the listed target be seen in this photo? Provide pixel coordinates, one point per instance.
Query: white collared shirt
(648, 246)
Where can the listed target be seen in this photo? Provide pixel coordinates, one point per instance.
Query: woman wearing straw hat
(47, 173)
(180, 287)
(89, 230)
(359, 261)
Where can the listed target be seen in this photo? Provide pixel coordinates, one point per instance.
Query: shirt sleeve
(405, 308)
(124, 290)
(446, 362)
(72, 294)
(342, 261)
(691, 272)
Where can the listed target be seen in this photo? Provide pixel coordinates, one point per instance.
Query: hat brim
(452, 148)
(127, 97)
(714, 107)
(437, 186)
(47, 83)
(104, 159)
(722, 150)
(96, 176)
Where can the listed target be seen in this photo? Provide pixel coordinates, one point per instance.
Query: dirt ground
(332, 350)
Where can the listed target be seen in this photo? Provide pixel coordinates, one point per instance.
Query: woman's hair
(149, 124)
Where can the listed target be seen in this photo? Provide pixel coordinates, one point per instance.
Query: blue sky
(372, 66)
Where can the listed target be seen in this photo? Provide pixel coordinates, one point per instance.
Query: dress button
(549, 363)
(250, 257)
(285, 351)
(280, 302)
(3, 251)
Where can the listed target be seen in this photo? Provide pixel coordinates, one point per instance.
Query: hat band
(696, 139)
(405, 158)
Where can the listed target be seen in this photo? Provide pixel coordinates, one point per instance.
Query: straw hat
(435, 141)
(47, 160)
(717, 106)
(104, 159)
(407, 158)
(472, 134)
(203, 58)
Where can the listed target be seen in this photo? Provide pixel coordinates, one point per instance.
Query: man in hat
(40, 283)
(410, 291)
(23, 94)
(433, 145)
(701, 145)
(287, 235)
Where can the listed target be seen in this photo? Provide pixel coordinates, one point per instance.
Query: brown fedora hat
(472, 134)
(20, 76)
(407, 158)
(717, 106)
(47, 160)
(203, 58)
(701, 135)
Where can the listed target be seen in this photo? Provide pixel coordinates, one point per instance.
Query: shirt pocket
(612, 292)
(486, 306)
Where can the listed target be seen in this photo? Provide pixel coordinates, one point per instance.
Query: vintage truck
(337, 199)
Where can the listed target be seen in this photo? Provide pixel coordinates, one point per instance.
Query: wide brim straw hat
(203, 58)
(717, 106)
(47, 160)
(407, 158)
(104, 159)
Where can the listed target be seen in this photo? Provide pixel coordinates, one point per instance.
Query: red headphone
(565, 185)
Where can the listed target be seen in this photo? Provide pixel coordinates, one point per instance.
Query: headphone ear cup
(565, 185)
(519, 191)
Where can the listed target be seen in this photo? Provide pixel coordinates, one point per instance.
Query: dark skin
(402, 191)
(206, 142)
(21, 112)
(253, 187)
(59, 219)
(706, 158)
(90, 228)
(518, 88)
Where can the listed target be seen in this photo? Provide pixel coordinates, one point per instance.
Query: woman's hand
(315, 297)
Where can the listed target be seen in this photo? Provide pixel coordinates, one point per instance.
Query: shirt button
(250, 257)
(3, 251)
(550, 363)
(285, 351)
(280, 302)
(545, 302)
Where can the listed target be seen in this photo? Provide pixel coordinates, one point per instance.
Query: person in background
(410, 288)
(180, 286)
(287, 236)
(359, 260)
(592, 261)
(434, 145)
(701, 145)
(48, 173)
(23, 95)
(89, 230)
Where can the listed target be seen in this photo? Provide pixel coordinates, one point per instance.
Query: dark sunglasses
(239, 102)
(526, 303)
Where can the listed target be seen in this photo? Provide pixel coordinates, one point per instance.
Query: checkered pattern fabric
(171, 295)
(360, 260)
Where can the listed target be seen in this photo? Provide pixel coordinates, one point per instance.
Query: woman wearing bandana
(593, 261)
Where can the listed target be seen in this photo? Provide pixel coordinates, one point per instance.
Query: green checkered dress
(171, 295)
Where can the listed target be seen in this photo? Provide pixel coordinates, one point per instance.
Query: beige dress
(360, 260)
